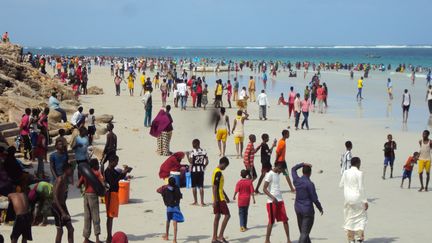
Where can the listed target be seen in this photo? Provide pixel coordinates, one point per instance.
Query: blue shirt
(58, 160)
(81, 148)
(53, 102)
(305, 193)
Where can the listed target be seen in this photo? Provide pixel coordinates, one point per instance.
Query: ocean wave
(174, 47)
(255, 47)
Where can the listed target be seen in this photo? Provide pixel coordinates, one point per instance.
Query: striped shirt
(249, 155)
(199, 157)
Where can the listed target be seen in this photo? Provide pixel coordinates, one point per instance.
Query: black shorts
(252, 172)
(197, 179)
(218, 98)
(284, 167)
(26, 142)
(266, 167)
(22, 227)
(59, 222)
(405, 108)
(91, 130)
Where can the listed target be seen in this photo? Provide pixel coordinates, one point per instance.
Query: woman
(117, 82)
(172, 164)
(162, 128)
(306, 105)
(199, 92)
(164, 92)
(218, 94)
(131, 80)
(229, 92)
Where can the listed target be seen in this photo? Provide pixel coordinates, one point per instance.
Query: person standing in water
(424, 160)
(406, 102)
(360, 89)
(389, 155)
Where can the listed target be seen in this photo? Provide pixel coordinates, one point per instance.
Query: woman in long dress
(162, 128)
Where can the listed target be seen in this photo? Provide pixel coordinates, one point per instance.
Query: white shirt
(262, 99)
(406, 99)
(297, 105)
(242, 94)
(346, 161)
(76, 117)
(182, 89)
(273, 179)
(429, 96)
(352, 182)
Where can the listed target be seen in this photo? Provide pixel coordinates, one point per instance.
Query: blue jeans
(305, 119)
(147, 117)
(183, 101)
(243, 215)
(359, 93)
(63, 114)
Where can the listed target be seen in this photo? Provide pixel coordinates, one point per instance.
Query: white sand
(395, 215)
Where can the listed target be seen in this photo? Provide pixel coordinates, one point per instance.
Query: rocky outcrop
(105, 118)
(93, 90)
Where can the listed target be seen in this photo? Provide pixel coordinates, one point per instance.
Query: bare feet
(165, 237)
(421, 189)
(194, 204)
(203, 204)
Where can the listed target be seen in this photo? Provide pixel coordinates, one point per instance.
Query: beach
(394, 215)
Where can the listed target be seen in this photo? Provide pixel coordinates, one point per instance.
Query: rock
(93, 90)
(105, 118)
(75, 103)
(101, 130)
(54, 116)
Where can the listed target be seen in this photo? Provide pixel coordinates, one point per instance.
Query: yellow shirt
(143, 78)
(218, 181)
(219, 90)
(131, 79)
(360, 83)
(251, 84)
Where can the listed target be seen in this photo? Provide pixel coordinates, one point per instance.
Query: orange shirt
(409, 164)
(280, 150)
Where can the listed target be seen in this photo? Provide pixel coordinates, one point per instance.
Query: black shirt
(171, 196)
(112, 177)
(389, 148)
(265, 156)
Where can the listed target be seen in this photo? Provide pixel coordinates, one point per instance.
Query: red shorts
(276, 212)
(221, 208)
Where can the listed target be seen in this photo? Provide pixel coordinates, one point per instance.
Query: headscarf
(160, 123)
(171, 164)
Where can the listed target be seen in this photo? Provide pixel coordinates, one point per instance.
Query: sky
(121, 23)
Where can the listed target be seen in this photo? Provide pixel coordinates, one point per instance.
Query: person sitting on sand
(199, 161)
(54, 104)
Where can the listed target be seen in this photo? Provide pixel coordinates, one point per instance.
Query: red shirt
(248, 158)
(409, 164)
(244, 188)
(88, 187)
(25, 125)
(40, 150)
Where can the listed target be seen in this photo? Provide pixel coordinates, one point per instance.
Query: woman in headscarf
(172, 164)
(162, 128)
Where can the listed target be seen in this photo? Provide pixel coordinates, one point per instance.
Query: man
(58, 159)
(22, 223)
(236, 89)
(356, 205)
(280, 157)
(199, 161)
(143, 81)
(112, 178)
(238, 131)
(220, 200)
(78, 118)
(91, 204)
(111, 143)
(297, 110)
(389, 155)
(263, 104)
(59, 208)
(406, 102)
(148, 106)
(182, 91)
(222, 131)
(424, 161)
(346, 157)
(81, 145)
(305, 198)
(275, 204)
(360, 88)
(429, 99)
(54, 104)
(252, 88)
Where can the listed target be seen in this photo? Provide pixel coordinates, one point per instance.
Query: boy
(408, 167)
(91, 126)
(266, 165)
(171, 196)
(22, 223)
(222, 131)
(112, 178)
(249, 156)
(91, 204)
(280, 158)
(244, 188)
(59, 208)
(389, 155)
(199, 161)
(238, 131)
(275, 204)
(346, 157)
(220, 201)
(61, 138)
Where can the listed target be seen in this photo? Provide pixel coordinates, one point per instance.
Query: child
(281, 100)
(249, 156)
(39, 152)
(171, 196)
(408, 167)
(91, 129)
(91, 203)
(199, 161)
(22, 223)
(61, 138)
(245, 190)
(204, 99)
(265, 159)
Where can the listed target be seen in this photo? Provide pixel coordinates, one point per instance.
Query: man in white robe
(356, 205)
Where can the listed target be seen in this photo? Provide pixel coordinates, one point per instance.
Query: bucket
(123, 193)
(176, 176)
